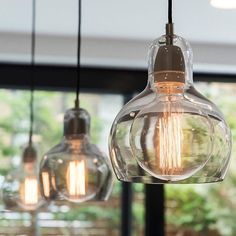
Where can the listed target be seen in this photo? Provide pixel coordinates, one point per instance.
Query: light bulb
(29, 191)
(21, 186)
(171, 138)
(224, 4)
(75, 170)
(170, 133)
(76, 178)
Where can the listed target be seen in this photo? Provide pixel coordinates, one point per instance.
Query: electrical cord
(78, 54)
(170, 11)
(31, 103)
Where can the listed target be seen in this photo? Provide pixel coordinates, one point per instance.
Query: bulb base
(76, 122)
(169, 65)
(29, 154)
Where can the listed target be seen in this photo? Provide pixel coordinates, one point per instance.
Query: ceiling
(116, 33)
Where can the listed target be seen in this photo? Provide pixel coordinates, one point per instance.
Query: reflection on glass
(46, 184)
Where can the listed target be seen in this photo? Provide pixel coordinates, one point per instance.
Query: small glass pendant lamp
(21, 186)
(170, 133)
(75, 170)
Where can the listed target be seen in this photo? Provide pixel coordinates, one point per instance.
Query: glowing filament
(170, 144)
(29, 191)
(76, 179)
(46, 184)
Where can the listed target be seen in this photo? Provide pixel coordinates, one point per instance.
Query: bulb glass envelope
(75, 170)
(21, 186)
(202, 150)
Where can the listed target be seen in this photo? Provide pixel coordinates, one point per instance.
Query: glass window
(207, 209)
(85, 219)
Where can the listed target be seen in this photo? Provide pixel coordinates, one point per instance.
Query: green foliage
(202, 207)
(188, 209)
(48, 108)
(93, 213)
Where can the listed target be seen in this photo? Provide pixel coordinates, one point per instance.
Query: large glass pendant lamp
(170, 133)
(21, 186)
(75, 170)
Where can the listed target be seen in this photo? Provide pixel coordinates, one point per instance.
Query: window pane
(207, 209)
(85, 219)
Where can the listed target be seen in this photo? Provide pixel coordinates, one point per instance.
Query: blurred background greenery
(207, 209)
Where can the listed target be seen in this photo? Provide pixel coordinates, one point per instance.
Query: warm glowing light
(224, 4)
(169, 134)
(76, 178)
(29, 191)
(170, 144)
(46, 184)
(53, 182)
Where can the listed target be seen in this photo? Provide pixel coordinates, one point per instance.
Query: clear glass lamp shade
(75, 170)
(20, 189)
(170, 133)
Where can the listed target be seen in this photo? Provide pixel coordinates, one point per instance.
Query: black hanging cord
(78, 53)
(170, 11)
(31, 103)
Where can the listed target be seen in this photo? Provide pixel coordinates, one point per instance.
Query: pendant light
(170, 133)
(224, 4)
(76, 170)
(21, 186)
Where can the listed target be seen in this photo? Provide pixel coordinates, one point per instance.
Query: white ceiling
(116, 33)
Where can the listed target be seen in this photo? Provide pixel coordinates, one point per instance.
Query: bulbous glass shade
(75, 170)
(170, 133)
(21, 186)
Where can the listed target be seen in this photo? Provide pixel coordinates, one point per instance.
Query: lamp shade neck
(169, 66)
(29, 154)
(76, 122)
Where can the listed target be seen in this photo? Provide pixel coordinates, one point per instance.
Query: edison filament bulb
(21, 187)
(75, 170)
(170, 133)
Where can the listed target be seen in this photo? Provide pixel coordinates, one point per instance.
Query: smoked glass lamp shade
(21, 187)
(170, 133)
(75, 170)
